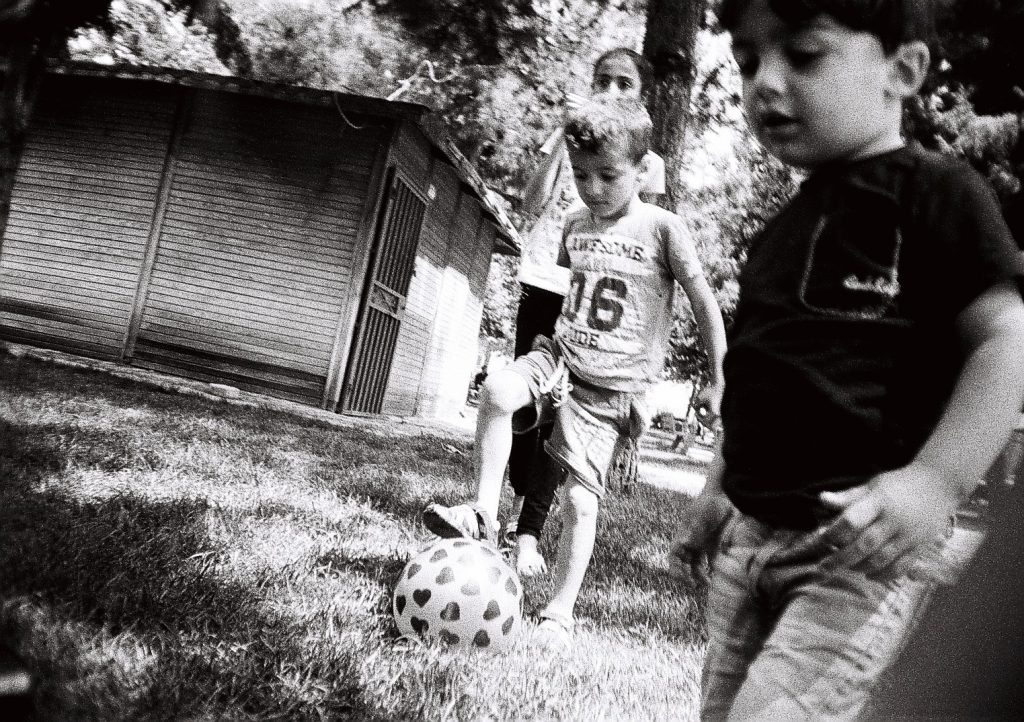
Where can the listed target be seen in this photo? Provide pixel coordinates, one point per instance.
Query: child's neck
(624, 211)
(874, 152)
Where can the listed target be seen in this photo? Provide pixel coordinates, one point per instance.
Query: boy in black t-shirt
(875, 367)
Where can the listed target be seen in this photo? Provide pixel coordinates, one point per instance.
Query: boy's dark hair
(893, 22)
(604, 118)
(642, 65)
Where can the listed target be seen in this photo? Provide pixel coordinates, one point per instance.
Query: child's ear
(910, 62)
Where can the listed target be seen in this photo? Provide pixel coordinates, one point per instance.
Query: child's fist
(696, 538)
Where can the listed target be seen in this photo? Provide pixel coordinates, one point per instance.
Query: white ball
(460, 591)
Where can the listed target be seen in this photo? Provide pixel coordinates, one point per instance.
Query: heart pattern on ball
(451, 612)
(421, 596)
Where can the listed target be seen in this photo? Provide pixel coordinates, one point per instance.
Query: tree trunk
(23, 63)
(669, 45)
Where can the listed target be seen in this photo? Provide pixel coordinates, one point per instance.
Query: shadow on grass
(120, 611)
(351, 462)
(146, 569)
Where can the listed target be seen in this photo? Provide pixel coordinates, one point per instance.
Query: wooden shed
(322, 247)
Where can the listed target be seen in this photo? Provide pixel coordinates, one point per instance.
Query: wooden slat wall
(81, 207)
(417, 351)
(412, 151)
(460, 301)
(255, 256)
(478, 257)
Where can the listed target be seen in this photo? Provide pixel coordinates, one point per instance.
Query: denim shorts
(790, 639)
(589, 426)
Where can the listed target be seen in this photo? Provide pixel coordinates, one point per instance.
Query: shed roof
(507, 237)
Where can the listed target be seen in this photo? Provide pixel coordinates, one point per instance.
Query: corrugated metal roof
(508, 238)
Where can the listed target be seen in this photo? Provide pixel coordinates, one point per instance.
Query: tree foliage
(324, 45)
(497, 73)
(147, 32)
(974, 100)
(485, 32)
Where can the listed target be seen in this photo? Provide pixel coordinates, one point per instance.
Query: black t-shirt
(844, 351)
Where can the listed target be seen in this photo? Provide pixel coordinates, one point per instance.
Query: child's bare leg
(504, 392)
(575, 547)
(529, 562)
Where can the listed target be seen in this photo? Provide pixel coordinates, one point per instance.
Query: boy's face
(819, 93)
(606, 180)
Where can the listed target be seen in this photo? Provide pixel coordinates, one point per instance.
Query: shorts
(589, 426)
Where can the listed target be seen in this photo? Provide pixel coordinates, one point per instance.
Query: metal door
(391, 267)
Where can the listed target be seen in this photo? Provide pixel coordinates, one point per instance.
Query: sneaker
(554, 634)
(469, 521)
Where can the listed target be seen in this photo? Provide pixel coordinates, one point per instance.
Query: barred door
(391, 267)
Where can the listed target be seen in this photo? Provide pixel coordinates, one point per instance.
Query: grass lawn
(170, 557)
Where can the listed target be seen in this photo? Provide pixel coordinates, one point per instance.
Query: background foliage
(497, 73)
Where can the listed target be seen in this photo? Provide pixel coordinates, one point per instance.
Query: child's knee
(503, 393)
(582, 502)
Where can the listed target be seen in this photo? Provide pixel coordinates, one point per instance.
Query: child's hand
(887, 523)
(696, 537)
(709, 405)
(574, 101)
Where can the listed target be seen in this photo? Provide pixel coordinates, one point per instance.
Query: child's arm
(697, 532)
(563, 255)
(886, 522)
(682, 260)
(543, 182)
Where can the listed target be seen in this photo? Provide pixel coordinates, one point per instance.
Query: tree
(669, 44)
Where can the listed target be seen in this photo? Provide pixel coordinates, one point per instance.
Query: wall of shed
(411, 358)
(452, 350)
(437, 345)
(199, 232)
(254, 262)
(224, 237)
(80, 214)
